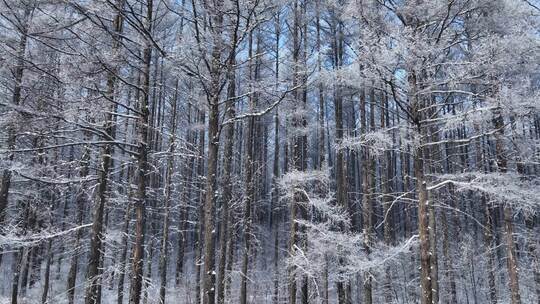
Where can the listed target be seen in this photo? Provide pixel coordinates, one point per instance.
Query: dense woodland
(269, 151)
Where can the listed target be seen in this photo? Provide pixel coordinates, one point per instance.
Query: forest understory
(269, 151)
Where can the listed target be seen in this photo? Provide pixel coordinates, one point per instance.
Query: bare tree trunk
(168, 191)
(511, 260)
(198, 233)
(247, 220)
(209, 275)
(150, 259)
(17, 262)
(275, 172)
(386, 178)
(228, 156)
(74, 264)
(15, 100)
(488, 230)
(230, 258)
(368, 173)
(297, 157)
(488, 239)
(534, 252)
(209, 254)
(421, 189)
(275, 212)
(249, 163)
(189, 163)
(340, 166)
(434, 268)
(227, 196)
(423, 224)
(142, 171)
(46, 282)
(93, 294)
(123, 254)
(19, 256)
(321, 116)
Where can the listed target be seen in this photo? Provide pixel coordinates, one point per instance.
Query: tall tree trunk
(340, 166)
(142, 167)
(421, 189)
(423, 224)
(297, 154)
(19, 256)
(511, 260)
(163, 258)
(386, 179)
(93, 288)
(228, 157)
(198, 233)
(488, 240)
(123, 254)
(127, 189)
(275, 213)
(15, 100)
(249, 163)
(189, 163)
(17, 263)
(533, 248)
(368, 183)
(248, 201)
(275, 172)
(46, 283)
(81, 200)
(209, 276)
(209, 230)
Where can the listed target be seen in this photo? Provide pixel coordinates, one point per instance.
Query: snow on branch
(519, 191)
(343, 252)
(377, 142)
(10, 238)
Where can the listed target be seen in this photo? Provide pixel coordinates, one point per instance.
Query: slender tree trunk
(386, 176)
(368, 163)
(250, 174)
(142, 170)
(297, 154)
(275, 213)
(511, 260)
(228, 157)
(15, 100)
(209, 275)
(168, 191)
(247, 220)
(488, 239)
(434, 268)
(421, 189)
(321, 116)
(93, 288)
(123, 254)
(17, 262)
(189, 163)
(209, 254)
(19, 256)
(534, 252)
(198, 233)
(423, 224)
(46, 282)
(340, 166)
(275, 173)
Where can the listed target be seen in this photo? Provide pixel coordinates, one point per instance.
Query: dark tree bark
(93, 287)
(163, 258)
(18, 74)
(142, 167)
